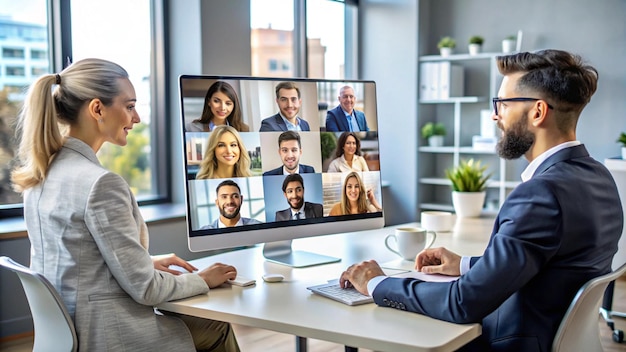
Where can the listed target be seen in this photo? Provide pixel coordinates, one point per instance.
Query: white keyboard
(349, 296)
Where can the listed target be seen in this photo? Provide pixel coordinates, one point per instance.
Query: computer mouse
(273, 278)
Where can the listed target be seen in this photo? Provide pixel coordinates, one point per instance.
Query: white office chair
(54, 328)
(579, 328)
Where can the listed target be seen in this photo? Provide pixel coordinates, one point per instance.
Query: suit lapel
(341, 116)
(359, 121)
(281, 123)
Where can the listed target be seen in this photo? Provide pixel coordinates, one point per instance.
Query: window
(17, 21)
(271, 36)
(9, 53)
(38, 71)
(15, 71)
(143, 162)
(132, 52)
(273, 65)
(329, 27)
(37, 54)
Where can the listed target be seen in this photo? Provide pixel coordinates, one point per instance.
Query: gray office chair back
(579, 329)
(54, 328)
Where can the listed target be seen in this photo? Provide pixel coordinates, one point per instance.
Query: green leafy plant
(329, 143)
(510, 37)
(468, 176)
(622, 139)
(433, 129)
(476, 39)
(446, 42)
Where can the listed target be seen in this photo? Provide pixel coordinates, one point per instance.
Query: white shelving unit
(434, 188)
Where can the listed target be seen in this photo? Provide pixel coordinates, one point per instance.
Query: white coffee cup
(439, 221)
(410, 241)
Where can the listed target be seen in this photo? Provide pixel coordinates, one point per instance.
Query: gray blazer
(89, 239)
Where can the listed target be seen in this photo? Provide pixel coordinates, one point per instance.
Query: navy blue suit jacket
(302, 169)
(553, 233)
(311, 210)
(336, 120)
(276, 123)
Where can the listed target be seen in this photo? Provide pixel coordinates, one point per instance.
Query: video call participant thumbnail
(290, 151)
(229, 200)
(225, 156)
(221, 107)
(289, 102)
(344, 117)
(293, 189)
(348, 155)
(355, 198)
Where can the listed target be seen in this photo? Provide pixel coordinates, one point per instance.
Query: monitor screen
(269, 160)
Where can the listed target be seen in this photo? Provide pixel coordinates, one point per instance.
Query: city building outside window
(274, 26)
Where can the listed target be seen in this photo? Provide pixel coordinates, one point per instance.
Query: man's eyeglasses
(497, 101)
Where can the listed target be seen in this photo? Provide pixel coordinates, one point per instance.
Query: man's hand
(358, 275)
(217, 274)
(163, 262)
(438, 261)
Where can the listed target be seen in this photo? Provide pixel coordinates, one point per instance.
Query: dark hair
(342, 141)
(289, 136)
(292, 178)
(235, 118)
(227, 183)
(562, 78)
(287, 85)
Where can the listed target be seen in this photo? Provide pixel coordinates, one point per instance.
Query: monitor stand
(280, 252)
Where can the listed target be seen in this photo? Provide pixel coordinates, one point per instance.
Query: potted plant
(445, 45)
(434, 133)
(475, 44)
(622, 140)
(468, 187)
(509, 44)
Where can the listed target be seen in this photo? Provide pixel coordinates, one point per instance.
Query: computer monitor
(238, 189)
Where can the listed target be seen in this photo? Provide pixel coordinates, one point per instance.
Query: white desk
(288, 307)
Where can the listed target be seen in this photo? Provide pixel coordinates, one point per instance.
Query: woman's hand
(217, 274)
(372, 199)
(163, 262)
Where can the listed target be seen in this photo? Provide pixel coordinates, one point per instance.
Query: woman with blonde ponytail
(86, 232)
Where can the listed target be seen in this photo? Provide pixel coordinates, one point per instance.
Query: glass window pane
(271, 37)
(131, 50)
(325, 34)
(23, 58)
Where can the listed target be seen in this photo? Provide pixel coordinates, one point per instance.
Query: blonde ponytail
(40, 136)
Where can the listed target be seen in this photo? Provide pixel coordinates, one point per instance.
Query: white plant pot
(445, 51)
(468, 204)
(624, 153)
(509, 45)
(435, 141)
(474, 49)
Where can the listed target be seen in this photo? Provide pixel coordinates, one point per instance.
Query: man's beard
(299, 204)
(232, 215)
(515, 141)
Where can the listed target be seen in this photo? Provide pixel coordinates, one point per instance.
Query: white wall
(388, 32)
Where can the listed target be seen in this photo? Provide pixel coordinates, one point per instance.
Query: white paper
(427, 277)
